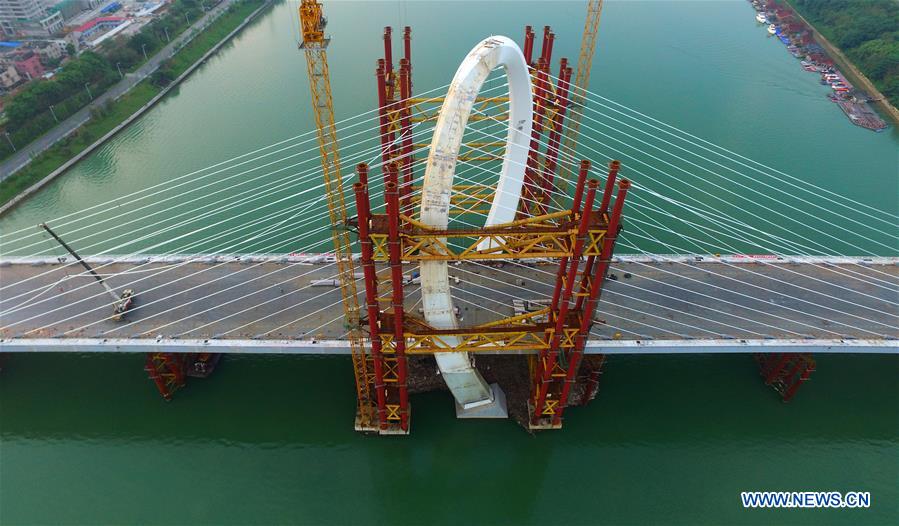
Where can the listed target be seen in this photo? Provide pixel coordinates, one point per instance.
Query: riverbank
(46, 110)
(849, 69)
(117, 115)
(804, 42)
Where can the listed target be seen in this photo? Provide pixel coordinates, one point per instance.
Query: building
(72, 38)
(28, 18)
(99, 29)
(49, 50)
(69, 8)
(9, 77)
(29, 66)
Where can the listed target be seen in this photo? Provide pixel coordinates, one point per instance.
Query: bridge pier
(785, 372)
(169, 371)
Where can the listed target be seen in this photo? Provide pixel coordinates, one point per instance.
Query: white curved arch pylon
(468, 387)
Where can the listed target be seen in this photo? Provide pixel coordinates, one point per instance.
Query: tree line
(867, 31)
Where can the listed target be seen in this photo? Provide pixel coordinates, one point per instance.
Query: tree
(162, 77)
(145, 40)
(866, 30)
(52, 63)
(36, 97)
(124, 55)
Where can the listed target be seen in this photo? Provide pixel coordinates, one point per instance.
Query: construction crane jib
(581, 83)
(312, 25)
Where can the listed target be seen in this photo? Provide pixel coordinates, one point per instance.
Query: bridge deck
(680, 299)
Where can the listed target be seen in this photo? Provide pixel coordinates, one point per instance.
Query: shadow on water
(690, 395)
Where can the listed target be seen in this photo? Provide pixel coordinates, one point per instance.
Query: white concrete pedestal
(494, 409)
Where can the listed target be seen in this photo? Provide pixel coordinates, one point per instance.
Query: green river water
(669, 440)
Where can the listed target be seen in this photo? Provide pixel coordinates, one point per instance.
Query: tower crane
(315, 44)
(581, 82)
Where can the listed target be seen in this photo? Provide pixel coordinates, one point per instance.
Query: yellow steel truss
(485, 108)
(427, 109)
(511, 334)
(535, 237)
(465, 199)
(472, 151)
(469, 340)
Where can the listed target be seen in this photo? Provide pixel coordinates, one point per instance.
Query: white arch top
(466, 384)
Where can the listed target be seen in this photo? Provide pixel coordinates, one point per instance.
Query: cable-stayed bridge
(257, 218)
(235, 257)
(288, 304)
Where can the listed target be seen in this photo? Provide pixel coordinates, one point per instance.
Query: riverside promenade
(140, 111)
(23, 156)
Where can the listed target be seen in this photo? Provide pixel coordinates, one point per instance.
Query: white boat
(772, 29)
(761, 18)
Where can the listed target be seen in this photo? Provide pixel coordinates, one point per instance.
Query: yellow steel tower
(312, 25)
(581, 82)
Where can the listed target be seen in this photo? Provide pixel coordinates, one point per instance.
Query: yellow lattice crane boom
(312, 25)
(581, 83)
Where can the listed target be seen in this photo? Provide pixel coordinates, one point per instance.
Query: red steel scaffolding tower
(396, 238)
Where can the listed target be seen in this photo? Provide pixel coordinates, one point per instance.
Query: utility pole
(55, 118)
(119, 69)
(143, 47)
(87, 86)
(187, 17)
(13, 146)
(167, 39)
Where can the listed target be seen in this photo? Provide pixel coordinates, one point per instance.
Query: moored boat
(201, 365)
(761, 18)
(772, 29)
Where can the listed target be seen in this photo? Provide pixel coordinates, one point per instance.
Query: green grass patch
(113, 114)
(212, 35)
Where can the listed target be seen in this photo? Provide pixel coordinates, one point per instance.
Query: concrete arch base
(496, 407)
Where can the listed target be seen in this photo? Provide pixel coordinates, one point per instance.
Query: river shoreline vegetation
(110, 115)
(29, 114)
(28, 111)
(867, 31)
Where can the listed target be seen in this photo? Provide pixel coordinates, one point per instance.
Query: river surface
(669, 439)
